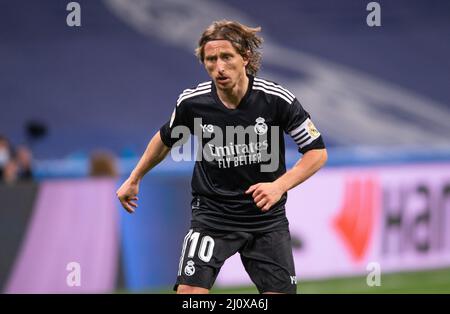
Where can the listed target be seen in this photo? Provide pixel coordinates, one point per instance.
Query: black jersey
(239, 147)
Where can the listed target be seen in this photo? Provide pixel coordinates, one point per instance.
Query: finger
(133, 204)
(257, 192)
(127, 207)
(126, 198)
(261, 203)
(266, 207)
(252, 188)
(258, 198)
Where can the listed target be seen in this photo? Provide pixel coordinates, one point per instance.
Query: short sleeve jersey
(239, 147)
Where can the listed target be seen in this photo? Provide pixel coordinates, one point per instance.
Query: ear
(246, 58)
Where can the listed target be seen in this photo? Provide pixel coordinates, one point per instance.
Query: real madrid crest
(189, 270)
(260, 127)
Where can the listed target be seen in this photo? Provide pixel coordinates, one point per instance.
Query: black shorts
(267, 258)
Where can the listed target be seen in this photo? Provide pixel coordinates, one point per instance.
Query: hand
(127, 193)
(265, 195)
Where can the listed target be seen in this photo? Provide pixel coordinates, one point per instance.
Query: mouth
(222, 79)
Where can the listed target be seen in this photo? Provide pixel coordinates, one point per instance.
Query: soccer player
(240, 182)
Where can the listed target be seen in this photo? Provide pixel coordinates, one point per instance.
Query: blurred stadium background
(79, 104)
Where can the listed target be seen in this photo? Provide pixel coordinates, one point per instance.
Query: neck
(233, 96)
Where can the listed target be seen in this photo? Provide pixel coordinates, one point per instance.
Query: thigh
(268, 260)
(203, 254)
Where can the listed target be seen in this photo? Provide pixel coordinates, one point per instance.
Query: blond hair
(242, 37)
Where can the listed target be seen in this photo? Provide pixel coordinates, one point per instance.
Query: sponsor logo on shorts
(293, 280)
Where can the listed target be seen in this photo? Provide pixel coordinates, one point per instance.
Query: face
(224, 64)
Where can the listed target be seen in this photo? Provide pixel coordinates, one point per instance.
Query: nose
(220, 66)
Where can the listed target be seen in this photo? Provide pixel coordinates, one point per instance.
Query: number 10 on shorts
(205, 250)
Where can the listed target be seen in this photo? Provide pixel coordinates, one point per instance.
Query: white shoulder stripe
(275, 89)
(201, 92)
(190, 91)
(199, 85)
(275, 85)
(272, 93)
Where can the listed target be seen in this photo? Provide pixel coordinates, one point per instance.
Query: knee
(185, 289)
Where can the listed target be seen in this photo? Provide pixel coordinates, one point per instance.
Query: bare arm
(156, 151)
(311, 162)
(267, 194)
